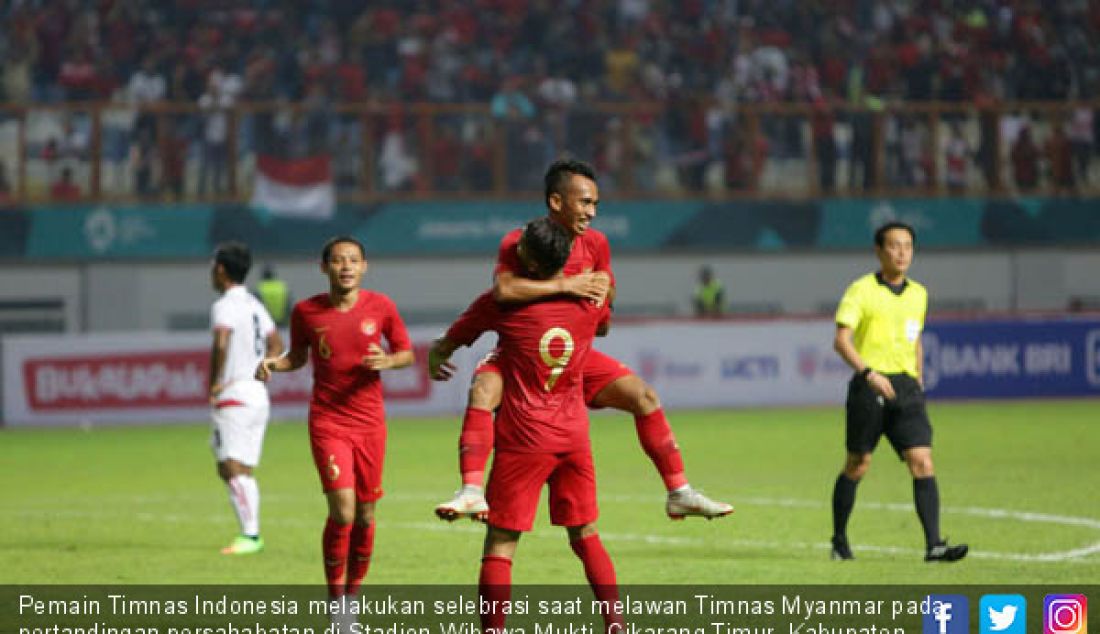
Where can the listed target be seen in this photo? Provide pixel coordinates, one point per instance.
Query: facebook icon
(946, 614)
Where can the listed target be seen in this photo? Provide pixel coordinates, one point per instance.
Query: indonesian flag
(298, 187)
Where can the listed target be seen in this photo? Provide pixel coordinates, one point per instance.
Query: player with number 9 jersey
(542, 428)
(543, 349)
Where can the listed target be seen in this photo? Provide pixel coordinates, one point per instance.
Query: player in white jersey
(243, 334)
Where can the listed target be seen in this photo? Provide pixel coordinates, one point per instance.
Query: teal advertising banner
(477, 227)
(939, 222)
(119, 232)
(440, 228)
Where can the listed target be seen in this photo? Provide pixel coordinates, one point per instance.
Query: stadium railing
(112, 152)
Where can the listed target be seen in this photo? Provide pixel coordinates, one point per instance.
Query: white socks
(244, 496)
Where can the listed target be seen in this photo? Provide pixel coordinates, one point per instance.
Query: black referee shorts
(904, 419)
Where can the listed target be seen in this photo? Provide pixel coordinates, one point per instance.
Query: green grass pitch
(138, 505)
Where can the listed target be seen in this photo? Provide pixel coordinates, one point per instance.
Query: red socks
(474, 445)
(362, 545)
(600, 573)
(660, 445)
(334, 549)
(494, 586)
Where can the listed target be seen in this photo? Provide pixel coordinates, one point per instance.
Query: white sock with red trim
(244, 496)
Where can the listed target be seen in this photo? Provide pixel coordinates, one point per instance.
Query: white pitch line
(1075, 555)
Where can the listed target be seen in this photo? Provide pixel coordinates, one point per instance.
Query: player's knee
(364, 514)
(342, 514)
(580, 532)
(500, 542)
(341, 507)
(223, 471)
(632, 394)
(234, 469)
(648, 401)
(855, 467)
(485, 391)
(921, 467)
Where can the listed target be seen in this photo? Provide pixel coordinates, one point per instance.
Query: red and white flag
(300, 187)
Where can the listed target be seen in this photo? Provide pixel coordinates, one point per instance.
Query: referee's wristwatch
(865, 373)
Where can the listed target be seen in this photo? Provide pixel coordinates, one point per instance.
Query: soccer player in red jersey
(341, 333)
(571, 199)
(542, 428)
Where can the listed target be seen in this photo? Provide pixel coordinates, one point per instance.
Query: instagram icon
(1065, 614)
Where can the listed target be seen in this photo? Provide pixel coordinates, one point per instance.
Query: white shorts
(237, 432)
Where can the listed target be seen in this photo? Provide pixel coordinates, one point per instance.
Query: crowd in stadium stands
(534, 60)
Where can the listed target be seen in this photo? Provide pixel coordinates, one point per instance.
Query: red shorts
(516, 481)
(600, 370)
(349, 460)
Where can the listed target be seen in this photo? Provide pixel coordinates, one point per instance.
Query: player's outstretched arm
(440, 367)
(274, 342)
(289, 362)
(509, 288)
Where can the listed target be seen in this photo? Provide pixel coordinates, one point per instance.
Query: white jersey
(249, 324)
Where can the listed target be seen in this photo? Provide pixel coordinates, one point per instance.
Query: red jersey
(345, 391)
(590, 253)
(543, 346)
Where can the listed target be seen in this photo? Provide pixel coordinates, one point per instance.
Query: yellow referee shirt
(885, 325)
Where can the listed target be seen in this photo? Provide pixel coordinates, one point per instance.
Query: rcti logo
(947, 614)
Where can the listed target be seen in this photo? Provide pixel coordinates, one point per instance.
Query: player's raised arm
(440, 367)
(475, 320)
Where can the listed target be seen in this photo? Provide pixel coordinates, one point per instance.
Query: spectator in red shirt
(1025, 160)
(64, 189)
(6, 196)
(1059, 156)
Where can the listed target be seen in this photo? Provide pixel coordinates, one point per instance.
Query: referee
(878, 327)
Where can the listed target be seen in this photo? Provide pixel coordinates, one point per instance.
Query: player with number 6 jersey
(344, 334)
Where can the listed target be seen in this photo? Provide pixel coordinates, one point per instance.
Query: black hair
(326, 251)
(235, 258)
(880, 233)
(559, 172)
(548, 244)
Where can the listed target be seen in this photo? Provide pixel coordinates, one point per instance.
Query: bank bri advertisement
(1012, 358)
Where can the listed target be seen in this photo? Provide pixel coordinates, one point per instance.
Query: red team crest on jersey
(368, 327)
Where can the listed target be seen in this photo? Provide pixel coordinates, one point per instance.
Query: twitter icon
(1003, 614)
